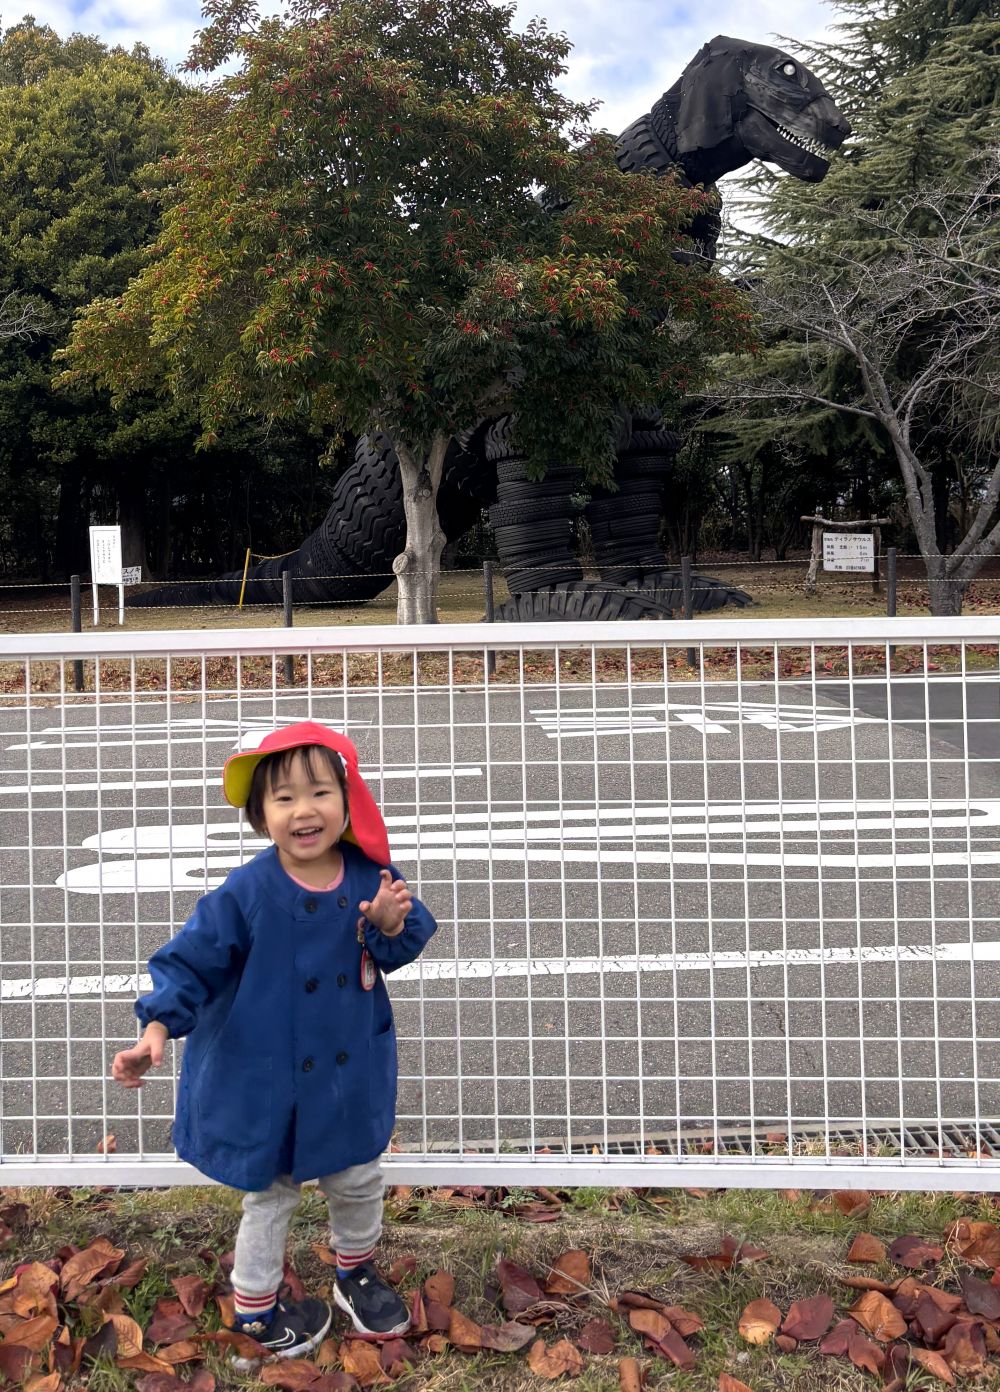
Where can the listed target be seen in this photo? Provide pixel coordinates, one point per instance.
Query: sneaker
(296, 1328)
(374, 1307)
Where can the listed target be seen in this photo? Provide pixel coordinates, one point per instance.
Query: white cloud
(626, 52)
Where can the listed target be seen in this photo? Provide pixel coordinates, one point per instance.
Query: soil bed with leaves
(514, 1289)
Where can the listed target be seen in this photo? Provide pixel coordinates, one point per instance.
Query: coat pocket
(383, 1067)
(232, 1097)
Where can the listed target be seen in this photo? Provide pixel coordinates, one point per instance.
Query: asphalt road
(706, 908)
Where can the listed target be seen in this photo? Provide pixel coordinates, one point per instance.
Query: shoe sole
(342, 1302)
(247, 1365)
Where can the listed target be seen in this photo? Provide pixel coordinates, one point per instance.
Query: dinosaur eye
(788, 69)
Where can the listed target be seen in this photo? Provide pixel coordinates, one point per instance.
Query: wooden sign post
(841, 558)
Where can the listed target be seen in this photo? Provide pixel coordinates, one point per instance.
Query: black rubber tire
(521, 514)
(582, 599)
(707, 594)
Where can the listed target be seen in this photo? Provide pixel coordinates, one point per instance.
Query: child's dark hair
(269, 770)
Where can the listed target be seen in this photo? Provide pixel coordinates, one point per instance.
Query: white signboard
(131, 575)
(106, 555)
(106, 566)
(849, 551)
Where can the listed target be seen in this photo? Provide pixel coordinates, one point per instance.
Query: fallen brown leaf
(876, 1313)
(192, 1292)
(570, 1274)
(34, 1333)
(400, 1269)
(143, 1362)
(107, 1145)
(630, 1375)
(81, 1269)
(520, 1290)
(596, 1336)
(507, 1338)
(43, 1382)
(464, 1334)
(964, 1349)
(852, 1202)
(786, 1343)
(232, 1338)
(731, 1253)
(649, 1322)
(808, 1319)
(866, 1248)
(170, 1323)
(931, 1320)
(16, 1361)
(978, 1243)
(561, 1360)
(683, 1320)
(186, 1351)
(934, 1363)
(396, 1357)
(291, 1374)
(362, 1362)
(440, 1287)
(914, 1253)
(728, 1383)
(759, 1322)
(981, 1297)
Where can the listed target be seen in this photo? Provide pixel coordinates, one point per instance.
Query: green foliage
(352, 236)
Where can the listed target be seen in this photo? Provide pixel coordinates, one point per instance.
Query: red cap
(366, 827)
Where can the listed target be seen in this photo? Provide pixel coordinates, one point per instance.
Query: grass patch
(636, 1240)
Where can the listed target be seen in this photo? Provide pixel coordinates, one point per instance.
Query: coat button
(310, 906)
(341, 1057)
(342, 901)
(311, 984)
(341, 980)
(307, 1065)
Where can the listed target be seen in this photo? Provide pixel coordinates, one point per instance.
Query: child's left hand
(390, 906)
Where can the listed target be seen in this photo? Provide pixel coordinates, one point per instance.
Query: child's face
(304, 815)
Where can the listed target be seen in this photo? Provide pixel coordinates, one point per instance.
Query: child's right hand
(129, 1066)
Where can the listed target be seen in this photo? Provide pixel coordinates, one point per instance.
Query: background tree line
(83, 130)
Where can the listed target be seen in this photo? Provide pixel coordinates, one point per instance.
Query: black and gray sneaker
(374, 1307)
(297, 1327)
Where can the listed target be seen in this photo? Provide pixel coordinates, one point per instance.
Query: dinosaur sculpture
(735, 102)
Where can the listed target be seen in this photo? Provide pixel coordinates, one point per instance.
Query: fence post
(491, 657)
(890, 590)
(76, 623)
(286, 598)
(686, 592)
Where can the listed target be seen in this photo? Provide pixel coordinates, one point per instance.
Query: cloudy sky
(625, 51)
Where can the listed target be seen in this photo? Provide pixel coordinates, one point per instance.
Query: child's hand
(390, 906)
(131, 1064)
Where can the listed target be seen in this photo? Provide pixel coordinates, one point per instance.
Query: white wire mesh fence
(731, 924)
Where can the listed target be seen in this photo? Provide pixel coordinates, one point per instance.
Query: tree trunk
(132, 517)
(946, 597)
(418, 567)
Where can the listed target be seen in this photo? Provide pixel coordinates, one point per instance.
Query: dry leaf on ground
(630, 1376)
(464, 1334)
(519, 1288)
(192, 1292)
(440, 1287)
(808, 1319)
(570, 1274)
(562, 1359)
(728, 1383)
(914, 1252)
(934, 1363)
(759, 1322)
(507, 1338)
(876, 1313)
(596, 1336)
(866, 1248)
(977, 1243)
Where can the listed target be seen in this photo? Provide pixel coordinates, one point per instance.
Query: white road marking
(709, 717)
(922, 833)
(485, 968)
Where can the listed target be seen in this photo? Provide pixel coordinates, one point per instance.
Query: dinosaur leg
(348, 558)
(625, 524)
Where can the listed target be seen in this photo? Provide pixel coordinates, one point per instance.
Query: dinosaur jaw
(800, 145)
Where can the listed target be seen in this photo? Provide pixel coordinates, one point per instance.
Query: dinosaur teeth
(804, 142)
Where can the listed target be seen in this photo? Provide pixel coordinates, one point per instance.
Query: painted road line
(711, 717)
(485, 968)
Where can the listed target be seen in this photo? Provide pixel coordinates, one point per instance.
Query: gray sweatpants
(354, 1198)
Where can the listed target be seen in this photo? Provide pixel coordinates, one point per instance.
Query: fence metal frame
(885, 635)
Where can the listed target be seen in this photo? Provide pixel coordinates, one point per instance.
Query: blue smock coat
(290, 1065)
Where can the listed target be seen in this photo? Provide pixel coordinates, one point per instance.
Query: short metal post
(286, 597)
(76, 623)
(688, 597)
(890, 582)
(491, 657)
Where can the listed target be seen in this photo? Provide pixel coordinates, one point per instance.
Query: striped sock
(251, 1308)
(347, 1262)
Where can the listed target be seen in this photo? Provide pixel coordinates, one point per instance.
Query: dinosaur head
(738, 101)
